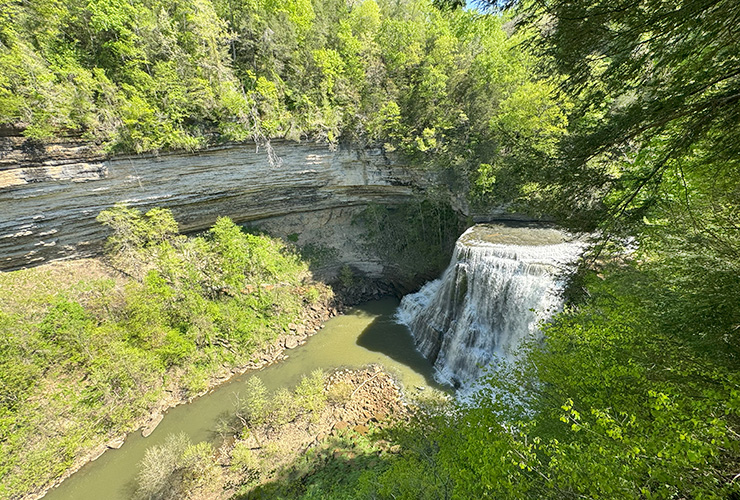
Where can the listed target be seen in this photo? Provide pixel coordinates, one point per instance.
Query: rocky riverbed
(360, 403)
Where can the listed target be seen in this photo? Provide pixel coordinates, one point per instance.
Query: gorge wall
(50, 196)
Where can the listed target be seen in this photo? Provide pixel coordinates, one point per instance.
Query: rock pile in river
(375, 400)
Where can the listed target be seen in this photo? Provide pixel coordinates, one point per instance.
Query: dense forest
(444, 87)
(620, 118)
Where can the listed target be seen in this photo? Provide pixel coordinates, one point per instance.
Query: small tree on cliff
(134, 233)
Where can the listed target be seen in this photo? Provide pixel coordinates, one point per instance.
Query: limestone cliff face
(24, 161)
(47, 212)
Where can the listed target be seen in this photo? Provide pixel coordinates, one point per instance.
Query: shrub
(254, 407)
(309, 394)
(159, 463)
(198, 460)
(339, 392)
(283, 407)
(346, 276)
(242, 459)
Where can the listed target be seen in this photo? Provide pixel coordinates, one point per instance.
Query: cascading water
(502, 282)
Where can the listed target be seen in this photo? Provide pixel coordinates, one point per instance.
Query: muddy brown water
(365, 334)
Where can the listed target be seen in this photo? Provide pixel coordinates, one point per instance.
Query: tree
(133, 233)
(657, 87)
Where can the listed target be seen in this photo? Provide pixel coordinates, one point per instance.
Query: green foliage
(176, 467)
(82, 358)
(310, 392)
(283, 407)
(653, 124)
(242, 459)
(312, 295)
(143, 76)
(69, 327)
(247, 258)
(255, 408)
(339, 392)
(159, 463)
(418, 237)
(654, 405)
(346, 276)
(140, 76)
(132, 233)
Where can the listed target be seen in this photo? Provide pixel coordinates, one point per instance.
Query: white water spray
(501, 283)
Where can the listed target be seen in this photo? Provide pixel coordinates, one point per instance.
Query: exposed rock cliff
(24, 161)
(49, 214)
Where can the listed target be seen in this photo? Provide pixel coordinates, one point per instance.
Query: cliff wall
(50, 195)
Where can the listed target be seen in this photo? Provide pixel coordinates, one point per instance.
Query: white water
(501, 283)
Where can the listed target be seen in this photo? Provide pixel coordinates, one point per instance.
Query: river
(365, 334)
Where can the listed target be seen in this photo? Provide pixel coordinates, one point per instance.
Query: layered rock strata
(47, 213)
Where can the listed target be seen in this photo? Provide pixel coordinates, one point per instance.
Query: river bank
(360, 404)
(310, 322)
(64, 277)
(363, 335)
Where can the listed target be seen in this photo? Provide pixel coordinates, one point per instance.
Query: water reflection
(389, 338)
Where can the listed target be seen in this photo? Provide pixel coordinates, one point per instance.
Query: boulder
(153, 423)
(361, 429)
(291, 342)
(116, 443)
(340, 426)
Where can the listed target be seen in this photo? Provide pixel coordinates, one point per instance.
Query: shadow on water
(389, 338)
(363, 335)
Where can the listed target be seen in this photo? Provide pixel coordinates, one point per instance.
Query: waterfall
(501, 283)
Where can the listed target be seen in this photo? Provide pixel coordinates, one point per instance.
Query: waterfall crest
(502, 281)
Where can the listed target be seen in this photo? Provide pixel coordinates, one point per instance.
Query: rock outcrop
(25, 161)
(49, 212)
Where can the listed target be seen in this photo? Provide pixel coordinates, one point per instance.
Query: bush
(312, 295)
(346, 276)
(243, 460)
(283, 407)
(159, 463)
(309, 394)
(339, 392)
(201, 471)
(254, 407)
(177, 467)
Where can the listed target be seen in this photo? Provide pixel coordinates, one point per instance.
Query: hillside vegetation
(445, 87)
(87, 353)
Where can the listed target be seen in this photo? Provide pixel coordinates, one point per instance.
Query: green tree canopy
(656, 86)
(143, 75)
